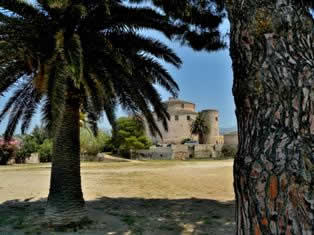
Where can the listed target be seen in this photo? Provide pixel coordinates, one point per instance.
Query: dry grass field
(148, 197)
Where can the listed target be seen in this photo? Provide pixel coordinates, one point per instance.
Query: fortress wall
(160, 153)
(231, 139)
(172, 107)
(177, 130)
(203, 151)
(211, 118)
(181, 152)
(221, 139)
(180, 129)
(178, 152)
(189, 107)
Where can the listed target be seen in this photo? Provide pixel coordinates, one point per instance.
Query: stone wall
(182, 114)
(211, 118)
(207, 150)
(159, 153)
(181, 152)
(231, 139)
(204, 151)
(178, 129)
(33, 159)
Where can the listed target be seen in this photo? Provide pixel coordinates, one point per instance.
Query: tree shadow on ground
(127, 216)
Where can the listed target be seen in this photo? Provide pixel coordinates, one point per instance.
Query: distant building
(231, 139)
(182, 114)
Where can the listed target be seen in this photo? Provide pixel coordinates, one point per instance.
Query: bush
(40, 134)
(28, 147)
(130, 135)
(6, 153)
(229, 151)
(8, 150)
(45, 151)
(92, 145)
(185, 140)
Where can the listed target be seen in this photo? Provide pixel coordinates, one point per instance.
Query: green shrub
(45, 151)
(5, 154)
(185, 140)
(229, 151)
(92, 145)
(130, 135)
(28, 147)
(40, 134)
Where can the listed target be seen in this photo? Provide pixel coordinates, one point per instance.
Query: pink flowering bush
(8, 150)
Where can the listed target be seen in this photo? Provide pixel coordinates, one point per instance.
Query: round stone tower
(211, 118)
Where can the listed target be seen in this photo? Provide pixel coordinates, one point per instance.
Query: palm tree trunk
(65, 201)
(272, 50)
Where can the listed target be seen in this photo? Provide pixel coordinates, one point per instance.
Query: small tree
(29, 146)
(130, 134)
(199, 127)
(40, 134)
(45, 151)
(91, 144)
(229, 151)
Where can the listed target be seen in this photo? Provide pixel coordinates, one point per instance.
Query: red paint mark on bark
(257, 230)
(273, 187)
(264, 221)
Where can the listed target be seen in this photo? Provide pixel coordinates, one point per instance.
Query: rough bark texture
(65, 201)
(272, 50)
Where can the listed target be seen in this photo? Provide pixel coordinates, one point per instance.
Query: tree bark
(65, 201)
(272, 50)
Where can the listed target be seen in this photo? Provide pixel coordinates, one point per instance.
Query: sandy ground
(153, 197)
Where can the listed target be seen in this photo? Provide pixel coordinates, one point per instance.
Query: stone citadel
(182, 114)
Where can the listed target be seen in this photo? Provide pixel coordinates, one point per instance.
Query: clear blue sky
(204, 79)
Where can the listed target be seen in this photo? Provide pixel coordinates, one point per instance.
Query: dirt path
(160, 197)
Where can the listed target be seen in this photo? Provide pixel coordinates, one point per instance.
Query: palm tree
(82, 55)
(199, 127)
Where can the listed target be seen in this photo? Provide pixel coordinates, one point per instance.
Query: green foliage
(6, 153)
(40, 134)
(92, 145)
(130, 134)
(199, 127)
(45, 151)
(37, 141)
(185, 140)
(29, 146)
(229, 151)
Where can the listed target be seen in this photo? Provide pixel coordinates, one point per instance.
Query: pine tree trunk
(272, 49)
(65, 201)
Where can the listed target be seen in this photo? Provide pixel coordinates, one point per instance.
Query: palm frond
(136, 42)
(22, 9)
